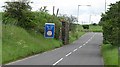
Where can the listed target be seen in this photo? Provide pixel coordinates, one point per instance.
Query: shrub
(111, 25)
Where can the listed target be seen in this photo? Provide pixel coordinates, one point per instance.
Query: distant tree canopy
(111, 24)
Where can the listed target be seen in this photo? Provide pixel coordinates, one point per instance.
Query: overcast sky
(70, 7)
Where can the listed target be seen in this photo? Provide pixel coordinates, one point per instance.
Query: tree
(20, 12)
(111, 24)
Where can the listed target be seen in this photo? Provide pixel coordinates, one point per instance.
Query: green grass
(119, 60)
(110, 54)
(17, 43)
(0, 16)
(119, 57)
(0, 38)
(96, 28)
(75, 35)
(92, 28)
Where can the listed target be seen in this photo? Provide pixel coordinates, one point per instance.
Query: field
(110, 54)
(96, 28)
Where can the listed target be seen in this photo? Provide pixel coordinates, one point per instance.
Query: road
(84, 51)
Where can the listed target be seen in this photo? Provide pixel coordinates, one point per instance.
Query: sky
(87, 14)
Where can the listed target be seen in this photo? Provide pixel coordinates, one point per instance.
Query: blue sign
(49, 30)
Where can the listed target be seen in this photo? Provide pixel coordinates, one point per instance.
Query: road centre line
(80, 46)
(69, 54)
(75, 50)
(58, 61)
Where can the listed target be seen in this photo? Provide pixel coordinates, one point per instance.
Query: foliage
(0, 38)
(110, 55)
(42, 17)
(111, 24)
(19, 13)
(95, 28)
(85, 26)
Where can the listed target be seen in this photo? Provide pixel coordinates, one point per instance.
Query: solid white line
(30, 57)
(74, 50)
(22, 59)
(80, 46)
(69, 54)
(58, 61)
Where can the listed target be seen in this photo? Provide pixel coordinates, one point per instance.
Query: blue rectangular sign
(49, 30)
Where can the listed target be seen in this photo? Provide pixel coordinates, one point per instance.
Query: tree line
(111, 24)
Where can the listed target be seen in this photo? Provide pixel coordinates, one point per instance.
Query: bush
(18, 13)
(111, 25)
(43, 17)
(85, 26)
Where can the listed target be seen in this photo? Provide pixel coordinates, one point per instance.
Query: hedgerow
(111, 24)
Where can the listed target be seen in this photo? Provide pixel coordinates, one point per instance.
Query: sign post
(49, 30)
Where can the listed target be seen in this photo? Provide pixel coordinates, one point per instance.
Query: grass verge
(17, 43)
(110, 55)
(75, 36)
(0, 38)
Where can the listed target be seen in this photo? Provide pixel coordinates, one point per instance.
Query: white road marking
(84, 44)
(74, 50)
(69, 54)
(58, 61)
(23, 59)
(53, 50)
(80, 46)
(89, 39)
(30, 57)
